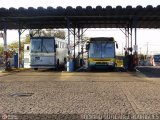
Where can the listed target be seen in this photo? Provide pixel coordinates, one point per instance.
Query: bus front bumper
(101, 65)
(43, 66)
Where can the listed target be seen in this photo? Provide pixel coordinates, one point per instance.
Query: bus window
(108, 50)
(36, 45)
(156, 60)
(95, 50)
(48, 45)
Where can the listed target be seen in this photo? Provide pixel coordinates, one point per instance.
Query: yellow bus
(119, 61)
(101, 53)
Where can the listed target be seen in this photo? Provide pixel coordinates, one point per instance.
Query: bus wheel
(35, 68)
(57, 64)
(115, 68)
(115, 65)
(89, 69)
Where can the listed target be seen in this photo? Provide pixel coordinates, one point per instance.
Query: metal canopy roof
(108, 17)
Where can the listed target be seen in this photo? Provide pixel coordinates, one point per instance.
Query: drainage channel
(21, 94)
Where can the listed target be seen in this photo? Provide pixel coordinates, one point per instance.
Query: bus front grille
(101, 63)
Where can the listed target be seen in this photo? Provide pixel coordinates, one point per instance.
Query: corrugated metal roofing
(108, 17)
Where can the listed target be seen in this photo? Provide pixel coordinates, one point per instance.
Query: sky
(74, 3)
(144, 36)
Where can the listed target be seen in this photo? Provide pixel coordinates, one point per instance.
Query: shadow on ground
(149, 71)
(84, 69)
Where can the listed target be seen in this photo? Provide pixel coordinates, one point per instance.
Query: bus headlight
(92, 63)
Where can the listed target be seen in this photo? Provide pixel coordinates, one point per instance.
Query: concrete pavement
(94, 93)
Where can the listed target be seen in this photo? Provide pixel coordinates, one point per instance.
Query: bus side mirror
(87, 47)
(116, 45)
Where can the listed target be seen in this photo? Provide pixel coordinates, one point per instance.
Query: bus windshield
(48, 45)
(42, 45)
(101, 49)
(156, 58)
(36, 45)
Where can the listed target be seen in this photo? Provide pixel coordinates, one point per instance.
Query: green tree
(48, 33)
(59, 34)
(13, 45)
(26, 40)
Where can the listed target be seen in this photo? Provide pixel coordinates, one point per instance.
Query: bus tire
(35, 68)
(57, 64)
(115, 68)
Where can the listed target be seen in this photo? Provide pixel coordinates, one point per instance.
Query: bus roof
(156, 55)
(102, 39)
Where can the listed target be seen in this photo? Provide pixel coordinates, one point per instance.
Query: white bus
(45, 52)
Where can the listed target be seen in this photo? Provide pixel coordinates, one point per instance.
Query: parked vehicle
(155, 60)
(101, 53)
(45, 52)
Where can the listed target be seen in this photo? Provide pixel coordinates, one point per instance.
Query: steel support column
(135, 39)
(19, 46)
(74, 56)
(68, 27)
(79, 40)
(68, 41)
(82, 42)
(131, 40)
(135, 36)
(128, 38)
(126, 44)
(5, 45)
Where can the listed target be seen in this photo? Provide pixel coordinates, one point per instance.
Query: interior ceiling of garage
(108, 17)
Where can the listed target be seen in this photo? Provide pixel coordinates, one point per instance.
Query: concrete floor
(71, 95)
